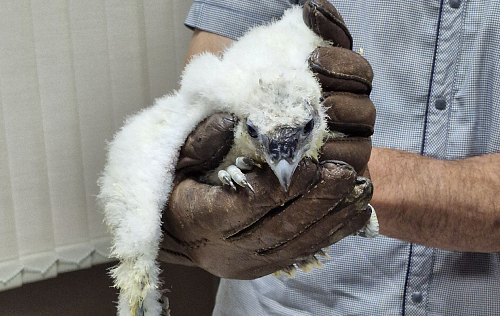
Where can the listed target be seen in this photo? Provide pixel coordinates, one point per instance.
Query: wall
(70, 72)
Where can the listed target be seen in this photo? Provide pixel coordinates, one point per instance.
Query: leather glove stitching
(327, 94)
(253, 224)
(320, 70)
(186, 244)
(175, 253)
(246, 230)
(340, 226)
(340, 205)
(362, 130)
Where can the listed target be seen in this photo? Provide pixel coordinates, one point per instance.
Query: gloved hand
(346, 79)
(243, 235)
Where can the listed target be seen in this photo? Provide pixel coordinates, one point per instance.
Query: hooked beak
(284, 171)
(283, 153)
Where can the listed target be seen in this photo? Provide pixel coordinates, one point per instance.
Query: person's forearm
(203, 41)
(452, 205)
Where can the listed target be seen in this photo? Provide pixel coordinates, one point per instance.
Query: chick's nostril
(273, 146)
(288, 150)
(274, 150)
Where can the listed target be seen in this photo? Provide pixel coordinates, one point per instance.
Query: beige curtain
(70, 72)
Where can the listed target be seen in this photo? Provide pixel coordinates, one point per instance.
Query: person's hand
(346, 79)
(244, 235)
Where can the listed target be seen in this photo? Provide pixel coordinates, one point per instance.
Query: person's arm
(452, 205)
(203, 41)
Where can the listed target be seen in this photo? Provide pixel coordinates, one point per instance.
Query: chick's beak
(284, 171)
(283, 155)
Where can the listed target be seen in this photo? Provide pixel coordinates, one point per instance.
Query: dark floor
(89, 292)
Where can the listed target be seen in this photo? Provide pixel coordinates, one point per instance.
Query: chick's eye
(309, 126)
(251, 131)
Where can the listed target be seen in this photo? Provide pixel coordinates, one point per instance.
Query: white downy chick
(264, 80)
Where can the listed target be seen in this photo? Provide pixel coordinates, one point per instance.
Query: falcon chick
(265, 81)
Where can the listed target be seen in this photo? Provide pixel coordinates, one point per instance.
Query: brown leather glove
(346, 79)
(242, 235)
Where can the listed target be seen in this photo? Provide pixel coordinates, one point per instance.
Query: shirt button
(440, 104)
(455, 4)
(417, 297)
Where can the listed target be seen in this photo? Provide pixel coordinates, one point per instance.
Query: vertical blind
(70, 72)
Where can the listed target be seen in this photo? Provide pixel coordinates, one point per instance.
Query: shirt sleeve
(233, 18)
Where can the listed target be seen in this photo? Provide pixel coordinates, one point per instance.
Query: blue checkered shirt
(437, 93)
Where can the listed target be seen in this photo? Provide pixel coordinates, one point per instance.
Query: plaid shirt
(437, 93)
